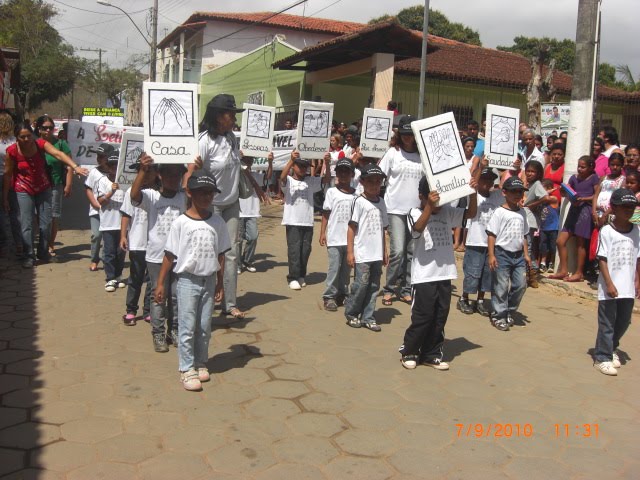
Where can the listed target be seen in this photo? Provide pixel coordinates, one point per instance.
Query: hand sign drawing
(170, 117)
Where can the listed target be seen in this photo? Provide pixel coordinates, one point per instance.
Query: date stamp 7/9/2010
(526, 430)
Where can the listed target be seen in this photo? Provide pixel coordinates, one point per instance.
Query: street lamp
(154, 38)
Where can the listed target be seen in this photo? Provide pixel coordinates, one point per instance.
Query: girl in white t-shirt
(297, 217)
(194, 251)
(108, 194)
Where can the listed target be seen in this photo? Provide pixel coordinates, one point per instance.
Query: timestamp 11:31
(589, 430)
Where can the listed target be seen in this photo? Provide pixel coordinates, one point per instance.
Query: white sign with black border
(501, 138)
(131, 148)
(314, 129)
(377, 126)
(256, 134)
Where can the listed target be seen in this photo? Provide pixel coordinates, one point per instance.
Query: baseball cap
(513, 183)
(488, 173)
(224, 101)
(404, 124)
(302, 162)
(114, 156)
(371, 170)
(202, 180)
(344, 163)
(623, 196)
(104, 149)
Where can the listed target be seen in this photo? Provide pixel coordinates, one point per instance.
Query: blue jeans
(10, 224)
(509, 282)
(614, 317)
(96, 238)
(41, 203)
(364, 290)
(298, 250)
(400, 256)
(167, 312)
(231, 215)
(531, 250)
(138, 276)
(195, 303)
(113, 256)
(247, 231)
(548, 240)
(337, 273)
(477, 274)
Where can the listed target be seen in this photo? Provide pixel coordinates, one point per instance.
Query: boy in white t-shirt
(108, 194)
(477, 274)
(133, 238)
(432, 269)
(249, 214)
(366, 249)
(194, 251)
(162, 209)
(299, 189)
(336, 211)
(102, 153)
(508, 257)
(619, 280)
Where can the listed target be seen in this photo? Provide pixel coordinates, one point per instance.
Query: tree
(627, 82)
(114, 83)
(48, 66)
(439, 24)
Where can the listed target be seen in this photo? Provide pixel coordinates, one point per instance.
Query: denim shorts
(475, 265)
(56, 200)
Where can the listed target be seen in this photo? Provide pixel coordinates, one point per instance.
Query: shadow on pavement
(254, 299)
(457, 346)
(237, 357)
(385, 315)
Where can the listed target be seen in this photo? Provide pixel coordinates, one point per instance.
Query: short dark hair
(558, 146)
(616, 156)
(588, 160)
(546, 183)
(611, 134)
(474, 123)
(631, 146)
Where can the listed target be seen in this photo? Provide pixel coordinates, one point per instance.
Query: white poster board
(256, 134)
(501, 138)
(442, 156)
(170, 121)
(131, 148)
(377, 126)
(554, 119)
(284, 141)
(84, 138)
(314, 129)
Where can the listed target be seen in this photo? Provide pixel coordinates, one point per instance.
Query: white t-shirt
(433, 257)
(221, 158)
(622, 251)
(137, 224)
(339, 204)
(536, 155)
(607, 153)
(196, 244)
(161, 213)
(110, 211)
(250, 207)
(298, 200)
(509, 228)
(536, 192)
(371, 219)
(403, 171)
(477, 226)
(90, 182)
(355, 181)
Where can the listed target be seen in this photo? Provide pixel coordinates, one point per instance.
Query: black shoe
(330, 305)
(28, 263)
(500, 323)
(173, 338)
(341, 299)
(464, 306)
(483, 307)
(160, 343)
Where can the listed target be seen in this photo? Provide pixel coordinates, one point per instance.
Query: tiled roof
(282, 20)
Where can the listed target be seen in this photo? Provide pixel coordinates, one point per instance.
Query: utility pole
(423, 59)
(154, 41)
(99, 50)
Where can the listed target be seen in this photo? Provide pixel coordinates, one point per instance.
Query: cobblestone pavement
(295, 393)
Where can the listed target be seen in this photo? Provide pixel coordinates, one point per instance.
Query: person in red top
(555, 170)
(26, 172)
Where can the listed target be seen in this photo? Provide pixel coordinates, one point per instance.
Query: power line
(93, 11)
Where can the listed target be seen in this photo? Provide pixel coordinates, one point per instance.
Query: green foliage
(112, 82)
(48, 66)
(439, 24)
(627, 81)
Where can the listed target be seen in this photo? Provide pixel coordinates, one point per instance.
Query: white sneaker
(294, 285)
(121, 283)
(616, 361)
(435, 363)
(190, 380)
(250, 268)
(605, 367)
(111, 285)
(302, 282)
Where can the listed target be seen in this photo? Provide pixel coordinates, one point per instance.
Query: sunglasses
(46, 127)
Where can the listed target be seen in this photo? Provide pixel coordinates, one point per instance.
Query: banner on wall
(284, 141)
(131, 148)
(170, 121)
(84, 138)
(314, 129)
(377, 126)
(442, 156)
(501, 137)
(256, 134)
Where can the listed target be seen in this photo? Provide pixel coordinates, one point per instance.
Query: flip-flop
(52, 252)
(235, 313)
(387, 300)
(407, 299)
(93, 267)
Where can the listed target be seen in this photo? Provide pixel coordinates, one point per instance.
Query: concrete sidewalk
(296, 393)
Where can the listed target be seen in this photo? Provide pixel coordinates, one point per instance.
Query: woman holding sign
(403, 168)
(25, 170)
(220, 154)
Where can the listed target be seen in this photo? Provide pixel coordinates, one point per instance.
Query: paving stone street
(295, 393)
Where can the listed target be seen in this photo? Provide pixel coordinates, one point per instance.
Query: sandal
(235, 312)
(52, 252)
(407, 299)
(93, 267)
(387, 300)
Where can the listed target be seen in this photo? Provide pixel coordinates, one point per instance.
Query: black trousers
(298, 250)
(429, 312)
